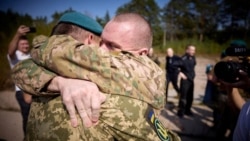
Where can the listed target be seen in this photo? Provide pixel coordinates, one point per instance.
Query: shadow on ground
(190, 128)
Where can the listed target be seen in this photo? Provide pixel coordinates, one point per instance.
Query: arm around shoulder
(32, 78)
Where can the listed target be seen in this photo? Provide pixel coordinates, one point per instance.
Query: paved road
(10, 126)
(10, 117)
(190, 128)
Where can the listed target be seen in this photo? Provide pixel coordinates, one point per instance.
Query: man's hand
(83, 95)
(183, 76)
(22, 30)
(27, 98)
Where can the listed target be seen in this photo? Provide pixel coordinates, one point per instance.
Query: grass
(5, 72)
(202, 48)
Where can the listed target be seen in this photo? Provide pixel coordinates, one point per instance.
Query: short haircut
(23, 38)
(189, 45)
(142, 28)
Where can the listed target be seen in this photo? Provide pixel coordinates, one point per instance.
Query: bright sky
(47, 7)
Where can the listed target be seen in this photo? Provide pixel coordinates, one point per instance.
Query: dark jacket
(188, 67)
(173, 64)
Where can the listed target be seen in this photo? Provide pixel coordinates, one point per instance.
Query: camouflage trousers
(122, 118)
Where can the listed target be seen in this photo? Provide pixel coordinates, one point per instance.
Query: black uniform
(187, 85)
(173, 65)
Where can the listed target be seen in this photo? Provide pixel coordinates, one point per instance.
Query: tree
(103, 21)
(206, 13)
(56, 16)
(234, 17)
(187, 18)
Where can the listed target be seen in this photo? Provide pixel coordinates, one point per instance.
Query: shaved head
(142, 34)
(170, 52)
(128, 32)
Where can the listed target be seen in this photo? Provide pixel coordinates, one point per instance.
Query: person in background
(237, 117)
(187, 82)
(152, 56)
(19, 50)
(210, 86)
(173, 64)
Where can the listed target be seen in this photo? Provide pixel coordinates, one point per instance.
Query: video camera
(228, 71)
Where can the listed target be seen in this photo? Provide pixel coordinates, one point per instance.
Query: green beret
(82, 21)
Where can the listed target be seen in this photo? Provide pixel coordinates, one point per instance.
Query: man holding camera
(19, 50)
(234, 74)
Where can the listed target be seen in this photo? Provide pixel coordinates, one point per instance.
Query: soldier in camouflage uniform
(132, 83)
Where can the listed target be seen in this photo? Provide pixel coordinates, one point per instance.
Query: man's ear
(143, 51)
(90, 39)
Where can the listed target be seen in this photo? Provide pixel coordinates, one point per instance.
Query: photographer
(19, 50)
(242, 128)
(234, 75)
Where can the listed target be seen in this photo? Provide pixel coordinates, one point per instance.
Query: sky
(46, 8)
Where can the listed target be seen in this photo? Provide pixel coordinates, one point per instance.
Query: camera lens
(227, 71)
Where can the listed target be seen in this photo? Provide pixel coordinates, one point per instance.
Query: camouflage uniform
(132, 84)
(39, 40)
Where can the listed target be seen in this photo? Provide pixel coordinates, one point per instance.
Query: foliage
(234, 17)
(103, 21)
(207, 47)
(190, 18)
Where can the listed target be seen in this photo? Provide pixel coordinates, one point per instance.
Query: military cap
(82, 21)
(39, 40)
(238, 43)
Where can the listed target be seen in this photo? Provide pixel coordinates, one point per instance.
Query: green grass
(5, 71)
(202, 48)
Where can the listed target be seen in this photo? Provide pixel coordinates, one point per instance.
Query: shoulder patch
(162, 133)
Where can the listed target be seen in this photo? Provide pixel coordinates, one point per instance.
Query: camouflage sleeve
(32, 78)
(69, 58)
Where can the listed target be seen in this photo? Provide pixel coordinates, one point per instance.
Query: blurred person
(241, 128)
(116, 45)
(153, 56)
(187, 82)
(210, 86)
(173, 64)
(217, 98)
(228, 124)
(19, 50)
(239, 100)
